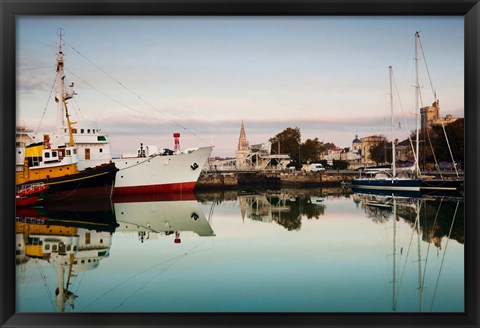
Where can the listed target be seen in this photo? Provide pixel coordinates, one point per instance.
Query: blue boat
(383, 181)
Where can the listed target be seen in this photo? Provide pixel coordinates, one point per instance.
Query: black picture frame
(470, 9)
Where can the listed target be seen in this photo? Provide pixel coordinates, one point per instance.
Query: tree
(434, 144)
(327, 146)
(339, 164)
(310, 150)
(455, 134)
(289, 142)
(289, 139)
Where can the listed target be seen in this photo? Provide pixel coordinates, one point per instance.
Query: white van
(316, 167)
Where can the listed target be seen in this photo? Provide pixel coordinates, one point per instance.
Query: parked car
(316, 167)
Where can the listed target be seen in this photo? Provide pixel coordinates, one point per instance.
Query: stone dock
(272, 180)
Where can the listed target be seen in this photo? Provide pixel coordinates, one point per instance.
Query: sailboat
(432, 182)
(149, 170)
(387, 179)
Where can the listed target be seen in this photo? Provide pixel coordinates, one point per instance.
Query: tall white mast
(417, 109)
(392, 129)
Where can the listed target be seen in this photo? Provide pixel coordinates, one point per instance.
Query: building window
(82, 130)
(100, 150)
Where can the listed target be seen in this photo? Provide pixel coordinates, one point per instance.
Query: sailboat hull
(387, 184)
(441, 184)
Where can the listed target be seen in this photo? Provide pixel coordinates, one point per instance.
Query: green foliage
(455, 133)
(310, 150)
(340, 164)
(289, 139)
(290, 144)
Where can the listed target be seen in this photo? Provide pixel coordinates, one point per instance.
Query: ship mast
(61, 94)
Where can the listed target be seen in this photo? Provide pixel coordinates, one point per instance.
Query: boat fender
(194, 166)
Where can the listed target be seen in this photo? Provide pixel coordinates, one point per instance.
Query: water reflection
(72, 237)
(156, 215)
(284, 209)
(431, 219)
(98, 256)
(435, 217)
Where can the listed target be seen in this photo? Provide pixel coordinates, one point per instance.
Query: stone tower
(429, 114)
(242, 148)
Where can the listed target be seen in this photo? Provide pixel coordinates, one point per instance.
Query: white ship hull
(169, 173)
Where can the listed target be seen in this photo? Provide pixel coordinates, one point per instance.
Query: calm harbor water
(286, 251)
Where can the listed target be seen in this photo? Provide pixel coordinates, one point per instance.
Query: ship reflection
(73, 238)
(155, 215)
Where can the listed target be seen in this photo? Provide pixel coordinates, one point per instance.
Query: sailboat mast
(420, 279)
(392, 129)
(417, 86)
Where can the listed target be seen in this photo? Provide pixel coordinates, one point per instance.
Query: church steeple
(242, 141)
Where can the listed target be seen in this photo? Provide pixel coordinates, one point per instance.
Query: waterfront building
(352, 154)
(331, 154)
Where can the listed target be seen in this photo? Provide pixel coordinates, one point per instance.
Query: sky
(144, 78)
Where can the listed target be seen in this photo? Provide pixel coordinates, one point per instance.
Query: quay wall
(217, 181)
(316, 179)
(230, 180)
